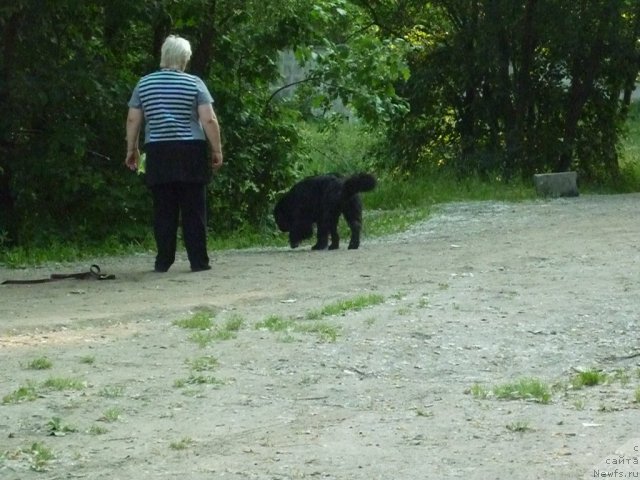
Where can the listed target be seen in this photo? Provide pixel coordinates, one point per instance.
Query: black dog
(321, 199)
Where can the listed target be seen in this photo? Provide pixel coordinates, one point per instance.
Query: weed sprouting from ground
(206, 331)
(57, 428)
(588, 378)
(97, 430)
(526, 389)
(519, 427)
(326, 331)
(25, 393)
(198, 321)
(40, 455)
(197, 379)
(478, 391)
(112, 391)
(111, 415)
(343, 306)
(523, 389)
(31, 391)
(276, 323)
(203, 364)
(62, 384)
(88, 360)
(181, 444)
(42, 363)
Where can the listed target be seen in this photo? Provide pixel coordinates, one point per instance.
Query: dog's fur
(320, 200)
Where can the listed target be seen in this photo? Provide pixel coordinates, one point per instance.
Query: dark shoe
(160, 268)
(201, 268)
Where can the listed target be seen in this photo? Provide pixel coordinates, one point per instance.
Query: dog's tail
(360, 182)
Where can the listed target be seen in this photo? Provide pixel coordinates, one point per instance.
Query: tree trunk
(8, 219)
(524, 89)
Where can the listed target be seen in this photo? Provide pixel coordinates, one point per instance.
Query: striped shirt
(169, 100)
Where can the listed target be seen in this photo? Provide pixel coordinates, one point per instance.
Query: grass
(198, 321)
(397, 203)
(423, 302)
(97, 430)
(343, 306)
(61, 384)
(41, 363)
(40, 455)
(526, 389)
(325, 331)
(63, 251)
(424, 413)
(519, 427)
(195, 379)
(202, 339)
(31, 391)
(636, 395)
(622, 376)
(278, 324)
(111, 415)
(88, 360)
(181, 444)
(206, 331)
(588, 378)
(230, 328)
(478, 391)
(57, 428)
(24, 393)
(111, 391)
(274, 323)
(523, 389)
(630, 150)
(203, 364)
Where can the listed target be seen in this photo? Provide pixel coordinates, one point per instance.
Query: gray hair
(175, 53)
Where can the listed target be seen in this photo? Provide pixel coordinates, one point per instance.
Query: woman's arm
(134, 123)
(211, 128)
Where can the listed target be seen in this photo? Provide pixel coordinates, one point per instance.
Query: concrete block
(560, 184)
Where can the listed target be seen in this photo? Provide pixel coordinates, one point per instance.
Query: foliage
(497, 88)
(514, 87)
(67, 84)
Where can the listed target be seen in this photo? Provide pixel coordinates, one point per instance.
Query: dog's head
(299, 233)
(281, 215)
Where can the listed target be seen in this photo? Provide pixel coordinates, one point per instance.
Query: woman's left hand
(132, 159)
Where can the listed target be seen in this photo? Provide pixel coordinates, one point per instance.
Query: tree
(67, 69)
(514, 87)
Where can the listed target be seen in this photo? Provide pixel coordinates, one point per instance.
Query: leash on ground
(94, 273)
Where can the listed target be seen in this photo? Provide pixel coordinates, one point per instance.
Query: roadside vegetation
(399, 200)
(443, 101)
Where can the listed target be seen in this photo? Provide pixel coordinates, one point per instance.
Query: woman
(177, 110)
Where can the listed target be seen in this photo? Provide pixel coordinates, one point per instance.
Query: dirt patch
(480, 295)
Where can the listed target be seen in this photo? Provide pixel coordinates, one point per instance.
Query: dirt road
(479, 296)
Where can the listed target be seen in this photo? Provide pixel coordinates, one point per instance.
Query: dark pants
(170, 202)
